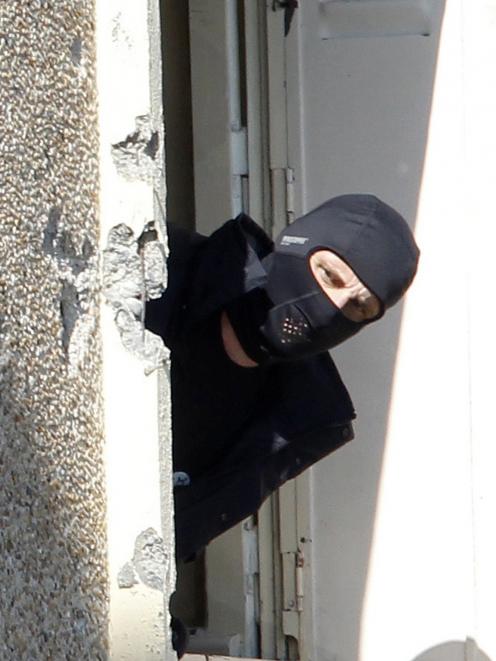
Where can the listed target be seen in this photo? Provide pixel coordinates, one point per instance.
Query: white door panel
(358, 112)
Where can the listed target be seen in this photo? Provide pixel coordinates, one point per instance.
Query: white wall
(138, 452)
(403, 546)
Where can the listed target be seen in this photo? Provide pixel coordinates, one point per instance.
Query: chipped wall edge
(136, 390)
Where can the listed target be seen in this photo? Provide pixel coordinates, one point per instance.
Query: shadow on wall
(381, 92)
(454, 651)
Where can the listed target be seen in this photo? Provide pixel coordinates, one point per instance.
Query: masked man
(256, 398)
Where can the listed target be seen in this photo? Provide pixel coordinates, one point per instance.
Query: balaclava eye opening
(292, 317)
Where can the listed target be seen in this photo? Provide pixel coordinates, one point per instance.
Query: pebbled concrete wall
(53, 569)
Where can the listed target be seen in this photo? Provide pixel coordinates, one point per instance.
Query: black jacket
(307, 411)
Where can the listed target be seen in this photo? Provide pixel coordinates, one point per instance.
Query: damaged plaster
(149, 562)
(138, 443)
(135, 270)
(77, 268)
(136, 157)
(76, 51)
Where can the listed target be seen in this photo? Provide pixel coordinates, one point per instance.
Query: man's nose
(340, 297)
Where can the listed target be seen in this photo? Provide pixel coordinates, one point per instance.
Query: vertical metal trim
(277, 90)
(288, 192)
(297, 204)
(295, 109)
(279, 207)
(233, 74)
(267, 580)
(305, 545)
(290, 198)
(250, 570)
(254, 109)
(300, 591)
(234, 101)
(278, 572)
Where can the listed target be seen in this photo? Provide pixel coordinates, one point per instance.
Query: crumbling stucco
(135, 270)
(135, 157)
(148, 564)
(138, 448)
(77, 267)
(53, 572)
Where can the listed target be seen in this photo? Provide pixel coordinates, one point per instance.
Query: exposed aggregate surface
(53, 582)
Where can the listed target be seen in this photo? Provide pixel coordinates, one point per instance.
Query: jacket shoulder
(161, 314)
(228, 264)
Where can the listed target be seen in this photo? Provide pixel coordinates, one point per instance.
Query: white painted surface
(372, 18)
(403, 534)
(138, 618)
(479, 167)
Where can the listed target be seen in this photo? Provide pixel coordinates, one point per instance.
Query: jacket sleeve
(162, 314)
(259, 463)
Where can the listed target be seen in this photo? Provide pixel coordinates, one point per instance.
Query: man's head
(332, 272)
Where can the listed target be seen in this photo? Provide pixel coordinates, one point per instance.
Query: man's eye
(328, 275)
(366, 310)
(331, 277)
(361, 307)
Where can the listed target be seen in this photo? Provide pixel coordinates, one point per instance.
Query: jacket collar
(228, 264)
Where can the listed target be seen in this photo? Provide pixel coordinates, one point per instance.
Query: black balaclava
(292, 317)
